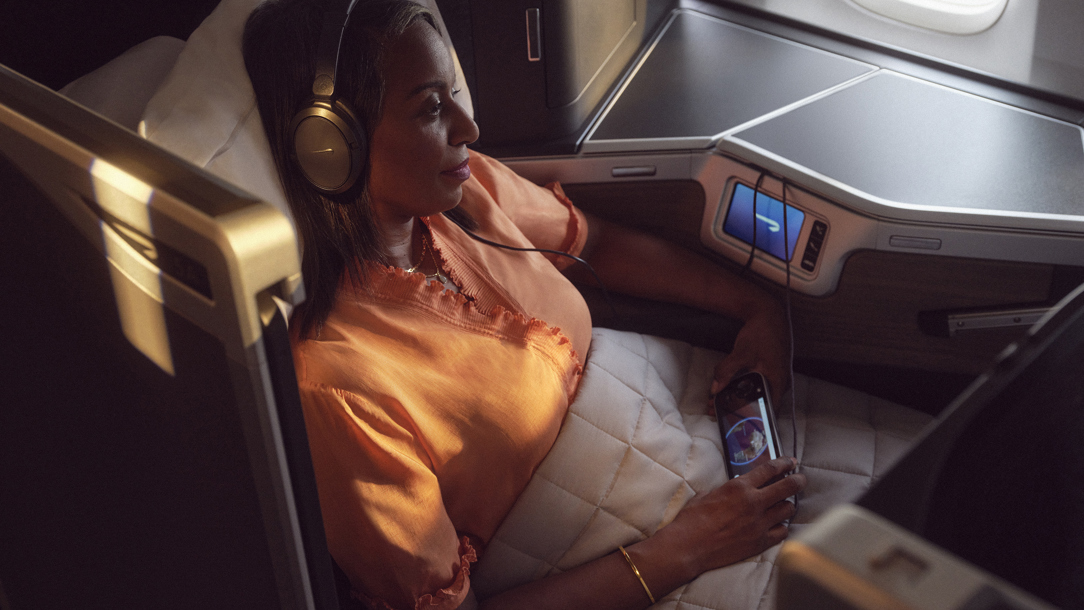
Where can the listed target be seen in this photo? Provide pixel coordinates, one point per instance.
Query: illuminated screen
(769, 222)
(748, 439)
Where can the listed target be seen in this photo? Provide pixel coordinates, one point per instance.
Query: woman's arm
(735, 521)
(642, 265)
(740, 519)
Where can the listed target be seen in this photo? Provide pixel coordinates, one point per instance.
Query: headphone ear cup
(329, 145)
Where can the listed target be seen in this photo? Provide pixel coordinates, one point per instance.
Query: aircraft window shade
(949, 16)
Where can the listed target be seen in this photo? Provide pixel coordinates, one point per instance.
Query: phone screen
(745, 424)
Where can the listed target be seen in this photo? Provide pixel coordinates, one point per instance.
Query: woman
(435, 371)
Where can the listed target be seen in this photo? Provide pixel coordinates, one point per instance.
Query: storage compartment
(705, 76)
(538, 68)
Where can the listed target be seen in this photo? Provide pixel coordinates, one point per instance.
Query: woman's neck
(400, 243)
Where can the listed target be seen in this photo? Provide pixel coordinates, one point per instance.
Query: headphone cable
(753, 249)
(587, 265)
(790, 339)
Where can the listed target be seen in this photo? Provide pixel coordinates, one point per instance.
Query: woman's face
(419, 149)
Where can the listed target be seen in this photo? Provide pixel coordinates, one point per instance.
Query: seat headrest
(205, 110)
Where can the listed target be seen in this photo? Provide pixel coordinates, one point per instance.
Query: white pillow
(205, 111)
(120, 89)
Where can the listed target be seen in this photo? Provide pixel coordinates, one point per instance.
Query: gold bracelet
(637, 573)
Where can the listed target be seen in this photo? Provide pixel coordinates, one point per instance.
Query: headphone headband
(327, 54)
(329, 143)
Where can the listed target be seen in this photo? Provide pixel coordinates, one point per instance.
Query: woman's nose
(463, 129)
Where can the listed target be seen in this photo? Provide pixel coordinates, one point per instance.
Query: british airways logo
(773, 226)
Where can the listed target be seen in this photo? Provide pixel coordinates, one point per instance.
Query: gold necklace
(440, 277)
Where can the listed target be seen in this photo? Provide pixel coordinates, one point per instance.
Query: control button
(914, 243)
(813, 245)
(809, 259)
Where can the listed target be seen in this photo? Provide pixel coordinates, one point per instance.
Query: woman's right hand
(738, 520)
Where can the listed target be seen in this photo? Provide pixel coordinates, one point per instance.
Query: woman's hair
(280, 48)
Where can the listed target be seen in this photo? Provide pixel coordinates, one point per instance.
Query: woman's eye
(455, 92)
(433, 106)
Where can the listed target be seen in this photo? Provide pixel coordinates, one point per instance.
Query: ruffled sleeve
(383, 513)
(543, 214)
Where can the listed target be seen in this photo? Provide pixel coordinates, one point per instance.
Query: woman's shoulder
(334, 383)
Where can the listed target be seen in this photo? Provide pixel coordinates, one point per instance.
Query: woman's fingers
(743, 517)
(759, 476)
(778, 533)
(727, 369)
(784, 488)
(733, 365)
(780, 512)
(761, 345)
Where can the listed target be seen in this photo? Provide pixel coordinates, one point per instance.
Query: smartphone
(746, 423)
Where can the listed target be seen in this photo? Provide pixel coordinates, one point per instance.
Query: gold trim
(841, 582)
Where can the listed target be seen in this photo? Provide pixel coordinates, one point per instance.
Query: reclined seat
(201, 109)
(155, 373)
(153, 447)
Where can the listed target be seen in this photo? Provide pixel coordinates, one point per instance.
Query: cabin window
(949, 16)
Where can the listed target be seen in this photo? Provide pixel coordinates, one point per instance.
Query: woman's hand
(762, 345)
(742, 518)
(642, 265)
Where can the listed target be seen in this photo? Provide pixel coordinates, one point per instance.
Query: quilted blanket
(638, 443)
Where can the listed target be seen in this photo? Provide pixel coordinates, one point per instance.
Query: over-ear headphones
(329, 143)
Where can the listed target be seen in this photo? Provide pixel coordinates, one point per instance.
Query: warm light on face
(137, 284)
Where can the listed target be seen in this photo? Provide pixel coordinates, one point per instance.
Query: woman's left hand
(762, 345)
(635, 263)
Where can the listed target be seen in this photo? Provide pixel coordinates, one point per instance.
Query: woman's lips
(460, 172)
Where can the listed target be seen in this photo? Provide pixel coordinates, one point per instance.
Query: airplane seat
(151, 425)
(194, 99)
(203, 111)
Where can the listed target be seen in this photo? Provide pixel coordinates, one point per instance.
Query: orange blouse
(428, 411)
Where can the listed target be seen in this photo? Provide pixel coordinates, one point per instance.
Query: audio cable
(787, 304)
(586, 265)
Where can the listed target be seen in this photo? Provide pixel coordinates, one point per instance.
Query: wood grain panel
(873, 316)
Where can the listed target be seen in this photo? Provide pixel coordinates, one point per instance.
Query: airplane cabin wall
(55, 41)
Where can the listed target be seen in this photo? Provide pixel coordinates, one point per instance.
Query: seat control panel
(813, 245)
